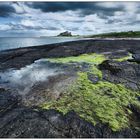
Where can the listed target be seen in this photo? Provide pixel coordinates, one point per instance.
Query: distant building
(66, 33)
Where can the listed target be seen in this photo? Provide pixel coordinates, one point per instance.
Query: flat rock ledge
(19, 121)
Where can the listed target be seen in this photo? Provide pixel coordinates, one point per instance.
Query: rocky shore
(108, 70)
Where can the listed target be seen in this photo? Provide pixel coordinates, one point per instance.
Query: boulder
(111, 66)
(126, 73)
(136, 58)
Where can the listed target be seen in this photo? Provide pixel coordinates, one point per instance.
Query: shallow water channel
(23, 79)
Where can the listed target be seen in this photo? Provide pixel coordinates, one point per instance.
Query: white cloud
(5, 27)
(18, 8)
(27, 23)
(52, 23)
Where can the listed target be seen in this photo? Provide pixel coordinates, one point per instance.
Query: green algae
(88, 58)
(94, 70)
(124, 58)
(102, 102)
(93, 59)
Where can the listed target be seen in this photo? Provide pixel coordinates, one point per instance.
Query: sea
(12, 42)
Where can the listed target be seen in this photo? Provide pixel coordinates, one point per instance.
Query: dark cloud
(85, 7)
(57, 6)
(6, 10)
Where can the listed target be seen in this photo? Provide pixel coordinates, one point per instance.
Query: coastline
(113, 67)
(72, 48)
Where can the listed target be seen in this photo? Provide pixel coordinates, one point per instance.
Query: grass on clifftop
(132, 34)
(101, 102)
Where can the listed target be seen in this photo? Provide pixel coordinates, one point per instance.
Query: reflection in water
(22, 80)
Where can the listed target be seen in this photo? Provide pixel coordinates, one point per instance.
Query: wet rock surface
(127, 73)
(48, 90)
(93, 78)
(19, 116)
(17, 58)
(7, 100)
(23, 122)
(136, 58)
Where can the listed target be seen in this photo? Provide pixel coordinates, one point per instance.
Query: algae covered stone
(89, 58)
(102, 101)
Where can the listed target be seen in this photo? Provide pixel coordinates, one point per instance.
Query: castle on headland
(66, 33)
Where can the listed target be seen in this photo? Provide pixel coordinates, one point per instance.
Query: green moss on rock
(94, 70)
(93, 59)
(88, 58)
(124, 58)
(102, 102)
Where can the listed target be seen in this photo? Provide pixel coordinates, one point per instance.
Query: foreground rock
(22, 122)
(7, 101)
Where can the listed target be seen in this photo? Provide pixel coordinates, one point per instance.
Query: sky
(34, 19)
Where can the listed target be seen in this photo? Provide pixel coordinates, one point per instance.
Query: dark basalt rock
(139, 98)
(23, 122)
(7, 100)
(136, 58)
(17, 58)
(127, 73)
(136, 110)
(28, 123)
(118, 54)
(93, 78)
(111, 66)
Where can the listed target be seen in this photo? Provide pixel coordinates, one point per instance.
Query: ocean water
(10, 43)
